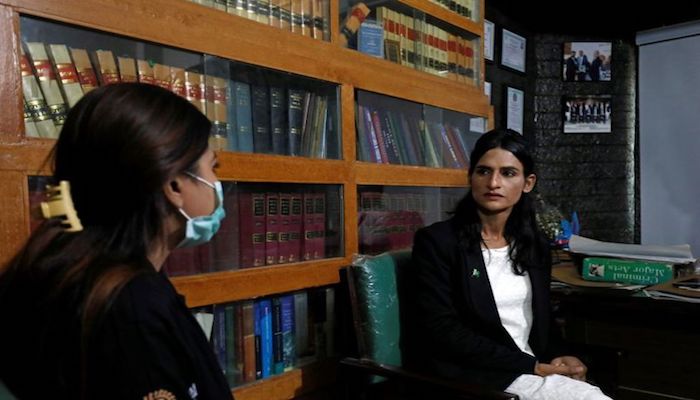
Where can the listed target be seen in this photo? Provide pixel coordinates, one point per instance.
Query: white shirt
(513, 295)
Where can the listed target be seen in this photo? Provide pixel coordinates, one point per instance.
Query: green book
(626, 271)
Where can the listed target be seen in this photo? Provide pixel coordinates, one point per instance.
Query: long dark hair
(528, 247)
(119, 146)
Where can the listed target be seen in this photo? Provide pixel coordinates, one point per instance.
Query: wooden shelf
(386, 174)
(223, 287)
(239, 39)
(253, 167)
(290, 384)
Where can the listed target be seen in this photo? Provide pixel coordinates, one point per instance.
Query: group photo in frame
(513, 48)
(587, 114)
(587, 61)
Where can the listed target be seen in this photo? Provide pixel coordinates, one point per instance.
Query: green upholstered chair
(375, 284)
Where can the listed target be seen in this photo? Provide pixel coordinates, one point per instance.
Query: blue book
(243, 117)
(277, 344)
(232, 126)
(370, 39)
(289, 351)
(219, 336)
(263, 326)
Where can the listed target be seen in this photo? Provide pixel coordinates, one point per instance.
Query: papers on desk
(667, 290)
(677, 254)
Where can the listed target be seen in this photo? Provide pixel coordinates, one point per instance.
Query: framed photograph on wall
(587, 114)
(587, 61)
(489, 35)
(515, 105)
(513, 51)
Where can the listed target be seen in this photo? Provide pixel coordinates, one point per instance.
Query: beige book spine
(30, 129)
(107, 67)
(127, 69)
(193, 90)
(49, 85)
(67, 74)
(161, 74)
(177, 81)
(86, 73)
(145, 72)
(35, 101)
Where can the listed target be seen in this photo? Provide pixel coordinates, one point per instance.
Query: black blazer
(455, 330)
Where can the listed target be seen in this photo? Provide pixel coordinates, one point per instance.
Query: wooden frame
(249, 42)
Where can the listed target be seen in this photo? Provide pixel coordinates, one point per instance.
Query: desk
(636, 347)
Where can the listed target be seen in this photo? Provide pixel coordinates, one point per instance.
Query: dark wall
(593, 174)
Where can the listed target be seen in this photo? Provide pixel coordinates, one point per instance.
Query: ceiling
(597, 18)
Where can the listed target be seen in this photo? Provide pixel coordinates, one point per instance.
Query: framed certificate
(513, 51)
(515, 103)
(489, 30)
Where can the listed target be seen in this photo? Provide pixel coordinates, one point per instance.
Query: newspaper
(676, 254)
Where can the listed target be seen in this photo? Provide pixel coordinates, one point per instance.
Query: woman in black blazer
(489, 322)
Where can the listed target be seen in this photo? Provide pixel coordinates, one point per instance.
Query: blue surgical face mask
(200, 230)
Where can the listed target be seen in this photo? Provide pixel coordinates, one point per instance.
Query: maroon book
(285, 216)
(251, 214)
(224, 246)
(319, 239)
(272, 228)
(296, 226)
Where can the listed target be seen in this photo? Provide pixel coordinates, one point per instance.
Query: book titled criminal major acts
(626, 271)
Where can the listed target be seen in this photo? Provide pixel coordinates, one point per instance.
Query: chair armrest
(461, 390)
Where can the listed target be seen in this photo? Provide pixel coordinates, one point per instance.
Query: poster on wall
(587, 114)
(513, 51)
(489, 30)
(587, 61)
(515, 104)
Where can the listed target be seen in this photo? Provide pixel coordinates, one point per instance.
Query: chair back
(374, 284)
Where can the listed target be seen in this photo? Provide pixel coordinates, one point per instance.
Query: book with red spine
(319, 239)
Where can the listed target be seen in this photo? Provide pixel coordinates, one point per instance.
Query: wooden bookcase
(196, 28)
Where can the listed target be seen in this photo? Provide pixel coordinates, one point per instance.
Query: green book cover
(626, 271)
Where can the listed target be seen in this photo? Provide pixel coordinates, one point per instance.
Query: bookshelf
(208, 32)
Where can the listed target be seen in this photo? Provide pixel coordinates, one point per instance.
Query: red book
(308, 223)
(272, 228)
(285, 216)
(251, 216)
(319, 239)
(224, 245)
(248, 331)
(296, 225)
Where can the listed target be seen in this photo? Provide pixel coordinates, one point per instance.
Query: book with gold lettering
(145, 72)
(29, 125)
(161, 75)
(177, 81)
(194, 92)
(107, 72)
(127, 69)
(49, 84)
(67, 74)
(86, 73)
(35, 101)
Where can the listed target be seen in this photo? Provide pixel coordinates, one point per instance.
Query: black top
(147, 345)
(457, 332)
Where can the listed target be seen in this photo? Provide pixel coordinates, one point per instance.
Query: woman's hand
(566, 365)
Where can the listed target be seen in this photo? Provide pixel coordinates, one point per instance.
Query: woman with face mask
(481, 294)
(87, 311)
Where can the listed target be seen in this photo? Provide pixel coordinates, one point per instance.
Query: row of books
(396, 137)
(259, 338)
(247, 117)
(265, 228)
(464, 8)
(427, 47)
(304, 17)
(387, 221)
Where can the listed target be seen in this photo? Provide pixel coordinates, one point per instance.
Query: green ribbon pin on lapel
(475, 273)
